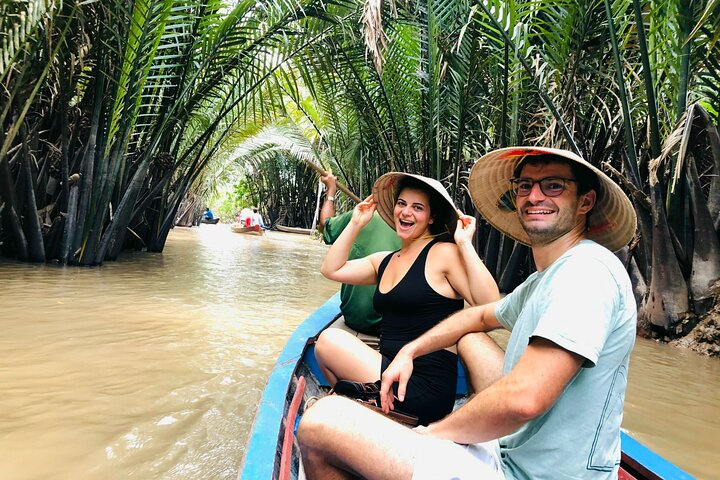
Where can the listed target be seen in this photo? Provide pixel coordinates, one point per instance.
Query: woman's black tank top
(412, 307)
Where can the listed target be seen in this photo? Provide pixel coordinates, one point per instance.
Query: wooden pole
(340, 186)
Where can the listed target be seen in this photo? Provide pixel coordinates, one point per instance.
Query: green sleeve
(334, 227)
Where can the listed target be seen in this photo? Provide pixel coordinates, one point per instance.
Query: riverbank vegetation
(114, 112)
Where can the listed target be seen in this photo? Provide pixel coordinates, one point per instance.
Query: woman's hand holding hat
(465, 228)
(363, 212)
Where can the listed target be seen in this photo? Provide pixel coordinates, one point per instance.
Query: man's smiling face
(547, 218)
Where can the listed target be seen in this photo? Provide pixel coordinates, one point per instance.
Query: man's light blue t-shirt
(584, 303)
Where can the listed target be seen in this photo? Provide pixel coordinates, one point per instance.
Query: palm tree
(583, 76)
(113, 112)
(155, 86)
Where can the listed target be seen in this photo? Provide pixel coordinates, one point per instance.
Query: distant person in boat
(358, 316)
(208, 214)
(556, 412)
(245, 217)
(429, 277)
(257, 219)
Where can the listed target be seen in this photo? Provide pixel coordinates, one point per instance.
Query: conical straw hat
(385, 194)
(611, 223)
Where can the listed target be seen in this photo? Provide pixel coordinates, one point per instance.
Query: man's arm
(328, 207)
(443, 335)
(361, 271)
(528, 391)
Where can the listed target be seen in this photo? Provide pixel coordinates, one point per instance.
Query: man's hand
(330, 182)
(465, 229)
(398, 371)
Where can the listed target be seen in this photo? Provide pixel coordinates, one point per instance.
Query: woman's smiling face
(412, 213)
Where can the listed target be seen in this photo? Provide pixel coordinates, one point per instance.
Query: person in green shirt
(356, 301)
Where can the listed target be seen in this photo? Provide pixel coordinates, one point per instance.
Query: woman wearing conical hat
(430, 277)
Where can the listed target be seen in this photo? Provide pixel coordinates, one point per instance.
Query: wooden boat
(240, 228)
(298, 230)
(211, 221)
(272, 451)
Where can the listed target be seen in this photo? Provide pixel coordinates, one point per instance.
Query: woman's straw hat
(385, 194)
(612, 220)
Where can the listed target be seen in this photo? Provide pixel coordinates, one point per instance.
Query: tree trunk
(70, 225)
(87, 168)
(114, 235)
(667, 299)
(513, 273)
(492, 246)
(36, 248)
(713, 140)
(706, 249)
(9, 211)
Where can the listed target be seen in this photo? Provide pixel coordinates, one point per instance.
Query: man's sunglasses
(550, 186)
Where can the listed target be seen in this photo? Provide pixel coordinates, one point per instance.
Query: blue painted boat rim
(260, 453)
(650, 460)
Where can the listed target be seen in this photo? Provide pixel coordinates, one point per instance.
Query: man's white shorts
(437, 459)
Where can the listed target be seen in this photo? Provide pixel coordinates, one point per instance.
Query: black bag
(358, 391)
(368, 394)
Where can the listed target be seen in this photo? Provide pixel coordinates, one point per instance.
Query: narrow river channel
(152, 367)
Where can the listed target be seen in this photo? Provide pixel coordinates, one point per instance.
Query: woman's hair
(440, 211)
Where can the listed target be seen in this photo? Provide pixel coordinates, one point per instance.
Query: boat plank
(298, 230)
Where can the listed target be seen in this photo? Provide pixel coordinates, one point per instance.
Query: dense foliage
(114, 112)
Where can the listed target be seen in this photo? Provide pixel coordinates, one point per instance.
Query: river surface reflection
(153, 366)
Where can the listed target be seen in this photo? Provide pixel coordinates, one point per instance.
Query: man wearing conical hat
(556, 411)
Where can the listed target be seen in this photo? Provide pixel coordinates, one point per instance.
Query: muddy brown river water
(152, 367)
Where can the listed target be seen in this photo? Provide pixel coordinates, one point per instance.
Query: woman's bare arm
(467, 274)
(336, 266)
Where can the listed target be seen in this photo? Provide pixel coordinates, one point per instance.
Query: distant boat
(301, 231)
(272, 451)
(211, 221)
(240, 228)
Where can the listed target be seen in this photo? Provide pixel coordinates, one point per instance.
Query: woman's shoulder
(444, 250)
(441, 245)
(377, 257)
